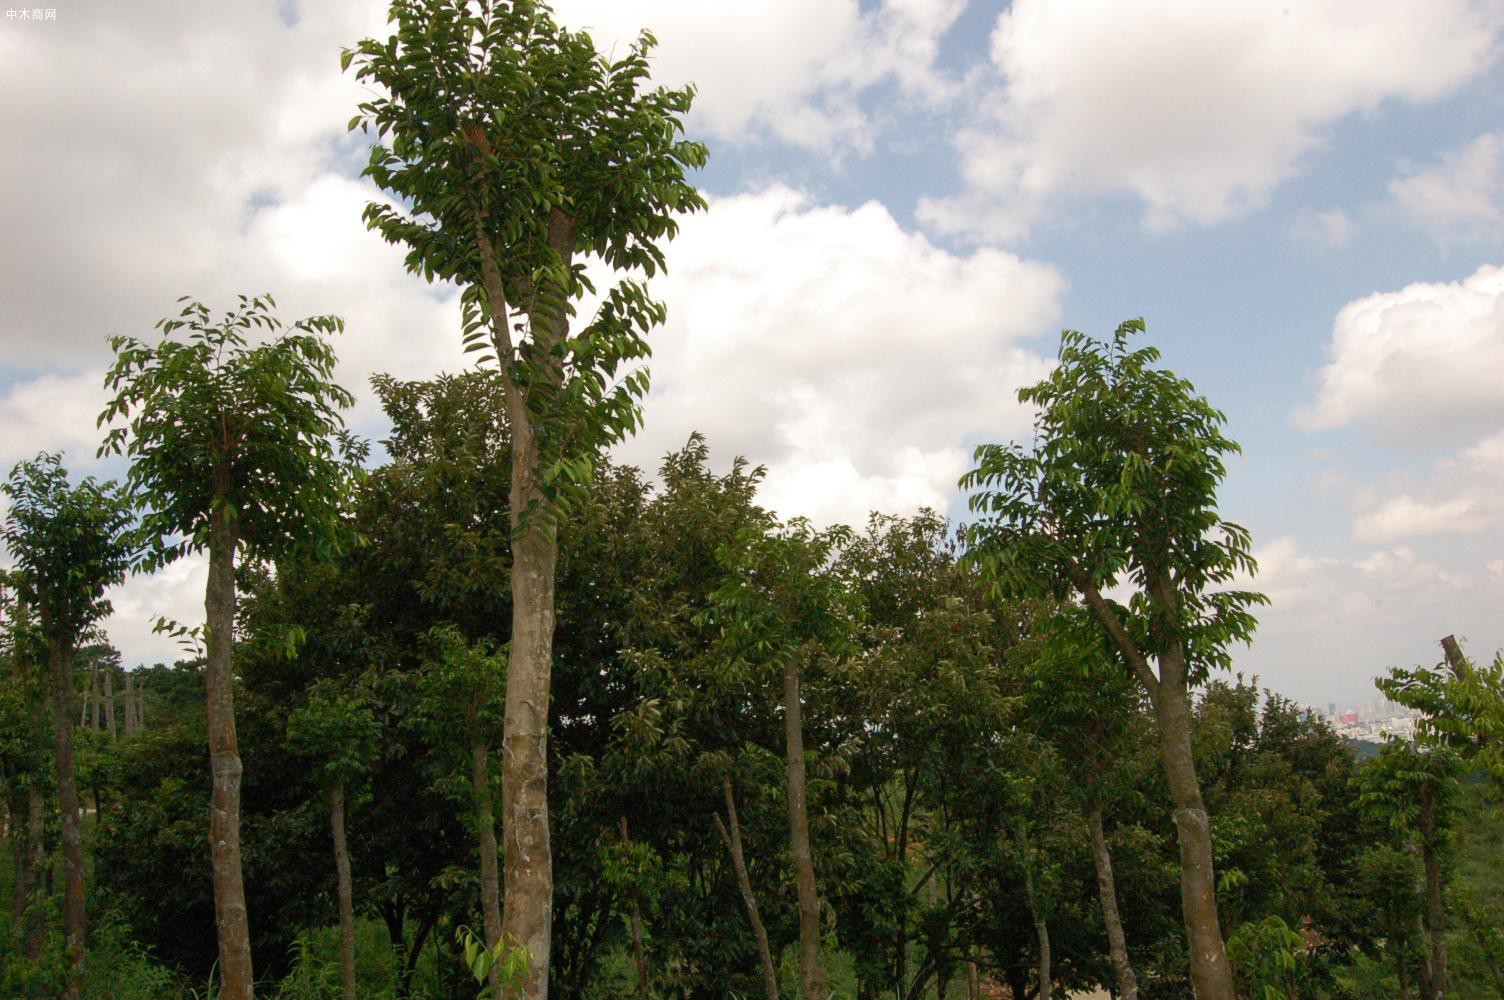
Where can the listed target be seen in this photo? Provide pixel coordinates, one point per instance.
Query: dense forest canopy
(490, 712)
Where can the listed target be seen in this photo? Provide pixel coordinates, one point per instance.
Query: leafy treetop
(214, 423)
(1121, 483)
(69, 543)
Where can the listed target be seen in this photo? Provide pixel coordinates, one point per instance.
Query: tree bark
(485, 836)
(346, 892)
(75, 928)
(109, 702)
(232, 923)
(529, 880)
(1041, 926)
(1211, 976)
(94, 697)
(810, 970)
(1433, 983)
(973, 980)
(26, 923)
(731, 833)
(129, 705)
(637, 954)
(1455, 660)
(1117, 944)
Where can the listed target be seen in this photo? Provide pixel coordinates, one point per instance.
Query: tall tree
(238, 449)
(70, 543)
(1121, 488)
(515, 150)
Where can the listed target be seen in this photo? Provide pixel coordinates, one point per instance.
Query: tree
(25, 777)
(335, 729)
(514, 150)
(1078, 697)
(782, 607)
(461, 681)
(70, 543)
(1412, 789)
(1462, 708)
(1121, 487)
(240, 450)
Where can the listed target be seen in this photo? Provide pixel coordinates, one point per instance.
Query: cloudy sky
(909, 200)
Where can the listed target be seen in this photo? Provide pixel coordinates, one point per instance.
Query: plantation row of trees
(497, 682)
(984, 800)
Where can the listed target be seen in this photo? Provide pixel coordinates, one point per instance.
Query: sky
(909, 199)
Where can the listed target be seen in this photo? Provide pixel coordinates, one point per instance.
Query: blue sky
(910, 198)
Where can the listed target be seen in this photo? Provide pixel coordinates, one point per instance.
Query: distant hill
(1364, 749)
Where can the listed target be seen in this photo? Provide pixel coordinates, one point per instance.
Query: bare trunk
(346, 892)
(731, 833)
(485, 836)
(26, 918)
(109, 702)
(1117, 944)
(810, 971)
(74, 921)
(528, 909)
(637, 953)
(1434, 968)
(94, 697)
(1211, 976)
(973, 980)
(1041, 927)
(237, 980)
(129, 705)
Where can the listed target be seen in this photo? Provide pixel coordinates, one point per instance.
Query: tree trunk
(232, 923)
(1434, 968)
(637, 954)
(973, 980)
(1041, 927)
(528, 909)
(346, 892)
(109, 702)
(129, 705)
(485, 836)
(26, 923)
(74, 921)
(1117, 944)
(731, 833)
(1211, 976)
(94, 697)
(812, 974)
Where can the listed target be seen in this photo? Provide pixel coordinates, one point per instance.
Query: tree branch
(1119, 634)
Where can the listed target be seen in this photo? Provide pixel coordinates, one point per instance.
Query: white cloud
(1198, 110)
(52, 413)
(1335, 620)
(1461, 196)
(1332, 229)
(1419, 366)
(853, 357)
(785, 68)
(1406, 517)
(175, 592)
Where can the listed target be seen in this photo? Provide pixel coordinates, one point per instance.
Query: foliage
(1265, 954)
(510, 143)
(69, 543)
(1121, 485)
(212, 422)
